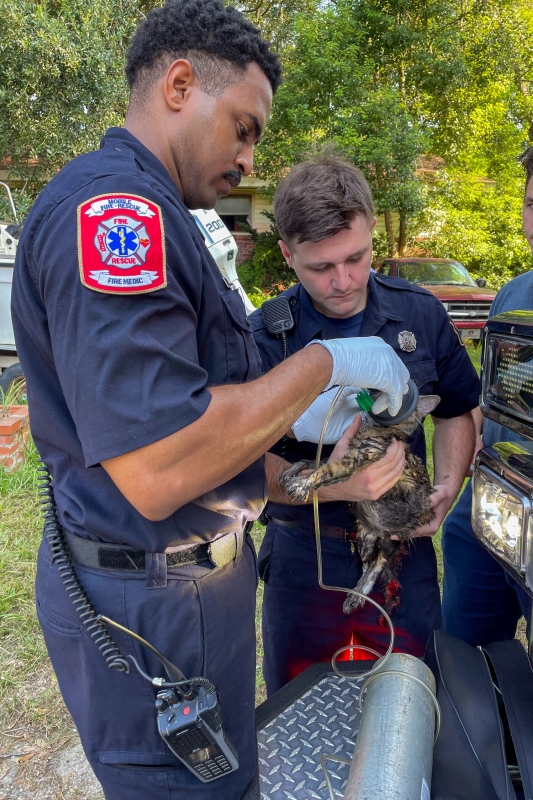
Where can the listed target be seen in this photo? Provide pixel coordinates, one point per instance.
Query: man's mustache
(233, 176)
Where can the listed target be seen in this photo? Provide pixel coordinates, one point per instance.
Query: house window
(233, 210)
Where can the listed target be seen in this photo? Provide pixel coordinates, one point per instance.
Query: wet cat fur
(399, 512)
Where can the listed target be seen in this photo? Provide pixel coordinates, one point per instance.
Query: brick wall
(245, 244)
(14, 431)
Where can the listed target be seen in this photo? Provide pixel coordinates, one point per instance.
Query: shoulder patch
(121, 244)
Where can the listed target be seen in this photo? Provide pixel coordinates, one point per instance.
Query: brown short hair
(526, 159)
(319, 198)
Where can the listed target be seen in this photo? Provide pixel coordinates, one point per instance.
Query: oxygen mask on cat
(367, 397)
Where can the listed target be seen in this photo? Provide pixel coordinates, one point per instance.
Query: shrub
(266, 273)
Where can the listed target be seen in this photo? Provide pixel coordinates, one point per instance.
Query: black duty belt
(123, 558)
(329, 531)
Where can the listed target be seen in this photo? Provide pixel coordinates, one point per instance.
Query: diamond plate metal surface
(324, 721)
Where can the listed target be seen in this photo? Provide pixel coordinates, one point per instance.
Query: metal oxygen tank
(393, 754)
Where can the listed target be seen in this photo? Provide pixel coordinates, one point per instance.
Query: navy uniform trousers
(304, 624)
(203, 621)
(481, 603)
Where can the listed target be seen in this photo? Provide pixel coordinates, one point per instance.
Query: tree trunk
(402, 238)
(390, 233)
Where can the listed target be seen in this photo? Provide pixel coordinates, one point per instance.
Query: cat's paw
(352, 603)
(298, 488)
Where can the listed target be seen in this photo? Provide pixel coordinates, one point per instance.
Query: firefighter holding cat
(147, 403)
(325, 216)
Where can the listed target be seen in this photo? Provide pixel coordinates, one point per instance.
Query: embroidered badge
(121, 244)
(407, 341)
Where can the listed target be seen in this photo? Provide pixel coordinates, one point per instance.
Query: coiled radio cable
(58, 545)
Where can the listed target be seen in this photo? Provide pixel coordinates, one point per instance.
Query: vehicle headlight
(498, 514)
(502, 493)
(503, 478)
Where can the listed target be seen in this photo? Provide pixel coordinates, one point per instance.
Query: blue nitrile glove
(370, 363)
(308, 427)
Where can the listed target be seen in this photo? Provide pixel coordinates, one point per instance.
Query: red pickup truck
(466, 300)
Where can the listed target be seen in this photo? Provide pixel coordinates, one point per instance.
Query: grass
(9, 399)
(23, 657)
(29, 697)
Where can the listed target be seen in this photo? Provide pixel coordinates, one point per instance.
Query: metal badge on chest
(407, 341)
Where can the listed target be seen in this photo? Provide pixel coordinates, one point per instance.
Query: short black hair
(321, 197)
(526, 159)
(218, 41)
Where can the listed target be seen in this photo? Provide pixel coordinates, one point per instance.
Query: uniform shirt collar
(146, 160)
(380, 308)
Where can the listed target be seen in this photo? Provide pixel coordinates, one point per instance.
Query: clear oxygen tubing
(351, 647)
(377, 669)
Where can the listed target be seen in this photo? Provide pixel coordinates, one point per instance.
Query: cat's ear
(426, 404)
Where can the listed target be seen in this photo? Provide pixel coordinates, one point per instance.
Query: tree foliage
(473, 210)
(266, 273)
(332, 93)
(387, 80)
(61, 80)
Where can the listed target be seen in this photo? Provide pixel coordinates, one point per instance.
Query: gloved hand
(308, 427)
(370, 363)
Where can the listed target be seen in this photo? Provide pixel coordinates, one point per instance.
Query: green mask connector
(365, 401)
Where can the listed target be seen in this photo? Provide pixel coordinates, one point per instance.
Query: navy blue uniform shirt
(439, 364)
(108, 373)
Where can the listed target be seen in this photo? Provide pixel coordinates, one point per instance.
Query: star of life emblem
(407, 341)
(121, 245)
(124, 245)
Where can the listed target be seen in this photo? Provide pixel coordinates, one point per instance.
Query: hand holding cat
(371, 482)
(370, 363)
(441, 501)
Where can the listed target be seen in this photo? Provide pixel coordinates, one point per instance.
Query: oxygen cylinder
(393, 753)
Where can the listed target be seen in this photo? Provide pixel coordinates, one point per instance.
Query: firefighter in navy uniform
(122, 322)
(324, 214)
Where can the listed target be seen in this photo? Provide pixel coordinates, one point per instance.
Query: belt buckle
(350, 536)
(223, 550)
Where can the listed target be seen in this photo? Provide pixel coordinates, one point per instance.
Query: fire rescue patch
(121, 244)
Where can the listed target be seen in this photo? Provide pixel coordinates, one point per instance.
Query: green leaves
(62, 79)
(390, 80)
(480, 224)
(387, 80)
(265, 273)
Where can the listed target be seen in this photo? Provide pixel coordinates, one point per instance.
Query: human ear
(285, 252)
(178, 83)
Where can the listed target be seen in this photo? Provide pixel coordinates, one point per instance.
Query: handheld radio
(192, 729)
(189, 718)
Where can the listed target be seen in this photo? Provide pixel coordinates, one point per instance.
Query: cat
(399, 512)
